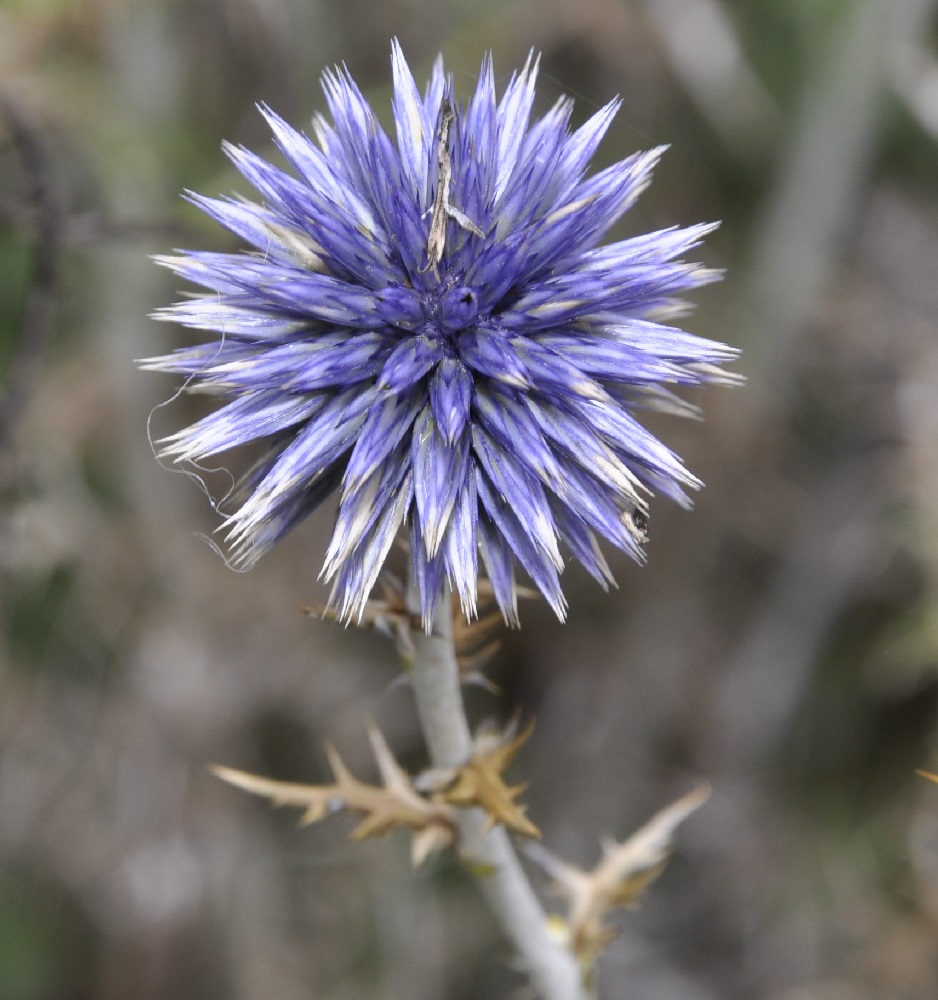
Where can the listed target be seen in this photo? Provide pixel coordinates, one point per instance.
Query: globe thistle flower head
(428, 325)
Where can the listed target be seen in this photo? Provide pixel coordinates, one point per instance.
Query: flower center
(458, 308)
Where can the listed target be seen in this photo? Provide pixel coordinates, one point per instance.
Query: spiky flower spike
(430, 327)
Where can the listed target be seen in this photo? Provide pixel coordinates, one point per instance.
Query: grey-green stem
(551, 967)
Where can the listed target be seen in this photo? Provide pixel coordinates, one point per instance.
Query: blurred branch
(85, 228)
(797, 246)
(914, 74)
(819, 187)
(765, 681)
(97, 227)
(700, 42)
(39, 306)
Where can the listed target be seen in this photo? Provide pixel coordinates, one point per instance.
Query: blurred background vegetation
(782, 641)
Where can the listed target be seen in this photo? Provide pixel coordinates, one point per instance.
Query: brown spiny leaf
(624, 872)
(395, 803)
(475, 640)
(387, 614)
(479, 782)
(478, 639)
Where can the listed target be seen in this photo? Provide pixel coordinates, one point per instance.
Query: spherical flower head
(428, 326)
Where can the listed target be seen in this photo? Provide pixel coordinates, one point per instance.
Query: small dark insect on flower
(639, 521)
(430, 326)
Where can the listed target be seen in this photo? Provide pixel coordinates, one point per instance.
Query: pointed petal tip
(172, 261)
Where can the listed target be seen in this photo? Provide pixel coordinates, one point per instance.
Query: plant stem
(435, 676)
